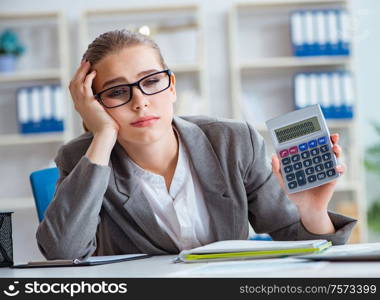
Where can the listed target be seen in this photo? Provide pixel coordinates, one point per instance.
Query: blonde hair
(114, 41)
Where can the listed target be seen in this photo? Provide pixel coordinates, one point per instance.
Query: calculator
(302, 143)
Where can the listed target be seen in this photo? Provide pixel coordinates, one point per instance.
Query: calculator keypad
(307, 163)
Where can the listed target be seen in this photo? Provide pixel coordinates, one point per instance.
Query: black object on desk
(6, 244)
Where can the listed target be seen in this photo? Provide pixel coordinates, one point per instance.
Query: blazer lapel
(136, 203)
(210, 174)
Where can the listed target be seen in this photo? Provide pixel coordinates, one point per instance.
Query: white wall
(367, 66)
(367, 34)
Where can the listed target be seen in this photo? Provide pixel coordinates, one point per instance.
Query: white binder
(325, 94)
(36, 107)
(348, 93)
(47, 102)
(337, 94)
(313, 89)
(332, 30)
(320, 21)
(59, 106)
(22, 107)
(296, 27)
(300, 90)
(345, 32)
(309, 26)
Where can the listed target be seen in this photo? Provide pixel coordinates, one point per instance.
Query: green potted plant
(372, 163)
(10, 48)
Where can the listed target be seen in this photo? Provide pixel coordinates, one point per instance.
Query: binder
(22, 110)
(311, 40)
(58, 108)
(47, 108)
(326, 105)
(248, 249)
(345, 38)
(313, 86)
(321, 32)
(297, 34)
(300, 96)
(337, 95)
(348, 97)
(35, 110)
(332, 45)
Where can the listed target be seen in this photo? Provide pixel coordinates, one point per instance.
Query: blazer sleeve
(269, 209)
(69, 227)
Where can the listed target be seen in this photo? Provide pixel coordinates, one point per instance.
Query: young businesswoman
(143, 180)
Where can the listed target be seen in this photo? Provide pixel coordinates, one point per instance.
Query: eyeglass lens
(121, 94)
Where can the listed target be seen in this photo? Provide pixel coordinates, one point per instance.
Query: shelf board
(19, 139)
(136, 10)
(185, 68)
(340, 123)
(279, 3)
(292, 62)
(30, 75)
(12, 203)
(347, 186)
(17, 16)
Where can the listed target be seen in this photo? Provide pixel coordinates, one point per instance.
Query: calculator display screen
(297, 130)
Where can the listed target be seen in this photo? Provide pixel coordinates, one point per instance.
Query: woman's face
(128, 66)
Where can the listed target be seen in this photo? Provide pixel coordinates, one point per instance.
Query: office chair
(261, 237)
(43, 184)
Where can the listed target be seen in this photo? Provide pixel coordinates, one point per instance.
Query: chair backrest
(43, 185)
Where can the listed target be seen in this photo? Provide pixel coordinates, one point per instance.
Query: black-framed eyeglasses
(121, 94)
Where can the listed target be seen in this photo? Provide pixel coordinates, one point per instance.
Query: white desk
(162, 266)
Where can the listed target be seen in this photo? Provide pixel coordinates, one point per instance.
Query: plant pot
(7, 63)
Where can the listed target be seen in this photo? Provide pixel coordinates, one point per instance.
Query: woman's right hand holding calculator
(312, 203)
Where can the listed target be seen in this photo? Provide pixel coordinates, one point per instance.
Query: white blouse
(182, 211)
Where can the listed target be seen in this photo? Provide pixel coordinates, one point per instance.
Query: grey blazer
(101, 210)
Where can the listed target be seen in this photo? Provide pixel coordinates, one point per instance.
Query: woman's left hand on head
(315, 199)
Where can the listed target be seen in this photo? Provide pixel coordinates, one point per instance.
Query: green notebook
(248, 249)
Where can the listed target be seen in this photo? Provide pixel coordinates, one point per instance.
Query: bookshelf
(175, 24)
(262, 67)
(45, 61)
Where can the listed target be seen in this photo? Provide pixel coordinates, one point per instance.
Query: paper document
(351, 252)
